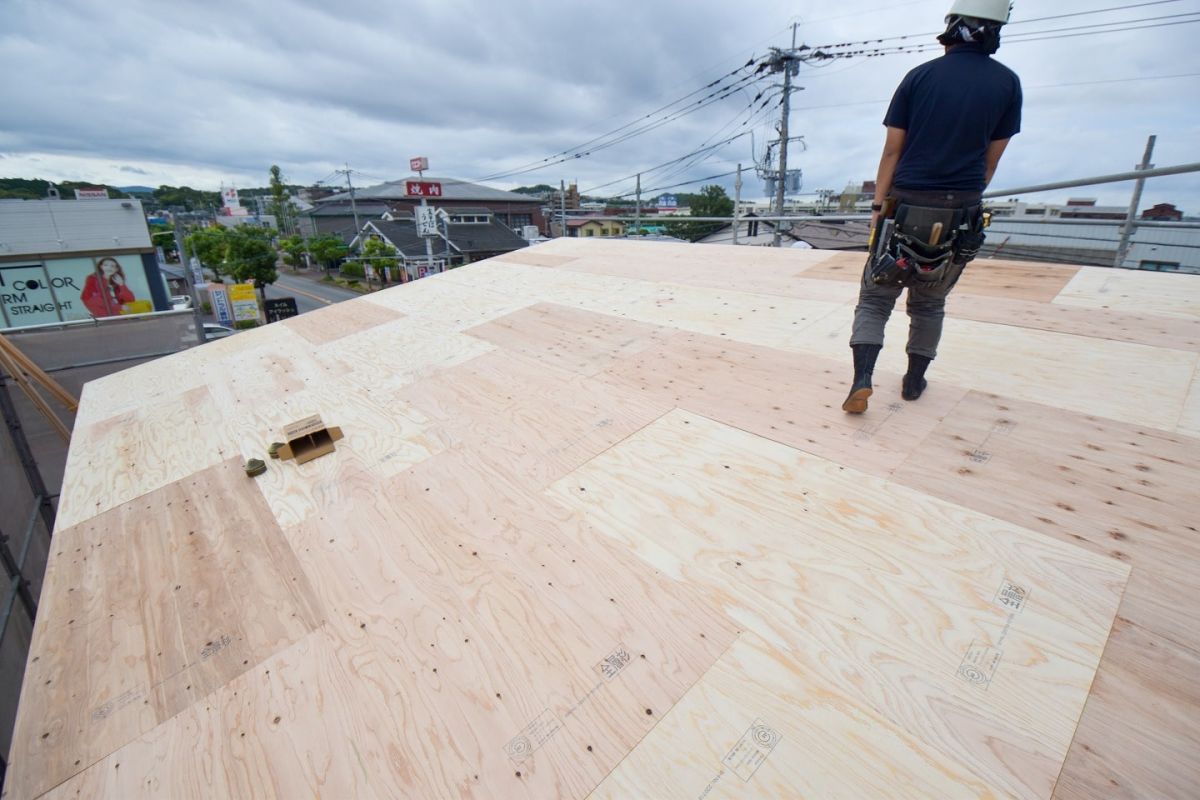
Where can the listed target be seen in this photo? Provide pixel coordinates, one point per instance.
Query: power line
(1014, 22)
(573, 152)
(1031, 36)
(677, 185)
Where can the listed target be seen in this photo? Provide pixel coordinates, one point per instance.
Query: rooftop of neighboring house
(452, 189)
(330, 209)
(467, 237)
(29, 227)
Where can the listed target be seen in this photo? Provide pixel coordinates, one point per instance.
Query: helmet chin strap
(960, 30)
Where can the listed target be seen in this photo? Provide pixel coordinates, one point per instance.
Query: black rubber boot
(864, 366)
(914, 380)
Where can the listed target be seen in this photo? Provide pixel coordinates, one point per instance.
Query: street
(310, 294)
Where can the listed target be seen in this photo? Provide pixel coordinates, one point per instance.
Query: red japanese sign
(422, 189)
(419, 164)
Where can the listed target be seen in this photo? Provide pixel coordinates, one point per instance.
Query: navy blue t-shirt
(952, 108)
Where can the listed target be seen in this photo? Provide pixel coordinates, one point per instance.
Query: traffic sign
(422, 189)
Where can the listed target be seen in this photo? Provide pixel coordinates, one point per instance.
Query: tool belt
(917, 244)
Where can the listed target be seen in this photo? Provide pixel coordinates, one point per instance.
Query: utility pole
(186, 264)
(353, 206)
(562, 202)
(1131, 218)
(637, 218)
(737, 204)
(787, 60)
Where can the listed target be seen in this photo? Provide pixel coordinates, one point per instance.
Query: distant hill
(137, 189)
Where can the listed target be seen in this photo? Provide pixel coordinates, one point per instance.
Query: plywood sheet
(122, 457)
(761, 561)
(1154, 330)
(1134, 291)
(155, 618)
(480, 642)
(788, 397)
(962, 630)
(573, 339)
(1016, 280)
(1128, 382)
(1120, 490)
(333, 322)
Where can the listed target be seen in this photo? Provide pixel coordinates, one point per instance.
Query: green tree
(210, 246)
(380, 255)
(163, 236)
(249, 256)
(292, 249)
(185, 197)
(280, 204)
(327, 249)
(711, 202)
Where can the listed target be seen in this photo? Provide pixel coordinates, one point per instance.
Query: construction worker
(947, 127)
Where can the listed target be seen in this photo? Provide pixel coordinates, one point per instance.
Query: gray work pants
(926, 299)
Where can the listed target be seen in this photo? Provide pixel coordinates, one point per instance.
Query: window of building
(1035, 212)
(519, 221)
(1159, 266)
(589, 232)
(470, 219)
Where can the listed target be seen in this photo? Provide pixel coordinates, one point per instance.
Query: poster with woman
(102, 286)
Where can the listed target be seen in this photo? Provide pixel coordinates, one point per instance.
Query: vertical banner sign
(244, 302)
(220, 303)
(197, 273)
(426, 217)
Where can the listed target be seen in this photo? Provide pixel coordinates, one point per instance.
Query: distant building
(63, 260)
(464, 237)
(507, 208)
(1163, 212)
(595, 226)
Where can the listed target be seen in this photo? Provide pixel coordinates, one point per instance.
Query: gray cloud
(222, 90)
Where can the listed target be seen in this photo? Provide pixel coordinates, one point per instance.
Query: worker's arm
(992, 159)
(893, 147)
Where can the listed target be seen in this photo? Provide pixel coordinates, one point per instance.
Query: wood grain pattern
(1015, 280)
(818, 559)
(433, 665)
(123, 457)
(557, 455)
(331, 323)
(1135, 291)
(1128, 382)
(1148, 329)
(153, 620)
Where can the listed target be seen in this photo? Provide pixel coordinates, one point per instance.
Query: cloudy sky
(212, 92)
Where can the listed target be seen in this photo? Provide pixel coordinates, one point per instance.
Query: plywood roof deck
(598, 528)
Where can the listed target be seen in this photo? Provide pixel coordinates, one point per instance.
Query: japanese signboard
(418, 164)
(244, 301)
(422, 189)
(426, 217)
(197, 273)
(280, 308)
(220, 303)
(65, 289)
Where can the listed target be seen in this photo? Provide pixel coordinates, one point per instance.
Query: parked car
(214, 331)
(181, 302)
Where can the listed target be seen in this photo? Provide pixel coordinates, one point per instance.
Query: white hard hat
(994, 10)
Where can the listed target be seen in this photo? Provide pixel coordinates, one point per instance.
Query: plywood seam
(1088, 696)
(912, 453)
(682, 695)
(1192, 386)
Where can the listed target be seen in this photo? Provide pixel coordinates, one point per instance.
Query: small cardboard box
(308, 439)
